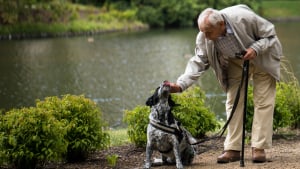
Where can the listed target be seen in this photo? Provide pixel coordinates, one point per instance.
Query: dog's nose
(167, 83)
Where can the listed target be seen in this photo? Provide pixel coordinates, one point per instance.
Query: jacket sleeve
(196, 66)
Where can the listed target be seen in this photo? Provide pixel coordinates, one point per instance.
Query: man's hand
(175, 88)
(250, 54)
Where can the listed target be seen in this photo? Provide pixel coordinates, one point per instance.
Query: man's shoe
(229, 156)
(258, 155)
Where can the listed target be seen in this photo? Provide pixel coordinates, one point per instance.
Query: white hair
(213, 16)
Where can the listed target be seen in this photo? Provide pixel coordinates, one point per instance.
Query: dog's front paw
(147, 166)
(179, 166)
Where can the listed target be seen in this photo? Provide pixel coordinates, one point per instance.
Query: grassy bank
(280, 8)
(77, 27)
(76, 20)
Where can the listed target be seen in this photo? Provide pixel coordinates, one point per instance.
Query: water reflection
(117, 71)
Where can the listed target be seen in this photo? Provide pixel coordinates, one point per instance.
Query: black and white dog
(164, 133)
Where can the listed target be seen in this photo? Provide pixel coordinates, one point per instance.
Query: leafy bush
(137, 120)
(287, 104)
(291, 93)
(70, 126)
(191, 112)
(31, 136)
(83, 121)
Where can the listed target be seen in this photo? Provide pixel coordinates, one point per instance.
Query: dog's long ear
(172, 102)
(152, 100)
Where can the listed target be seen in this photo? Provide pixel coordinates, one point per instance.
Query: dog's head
(161, 92)
(164, 91)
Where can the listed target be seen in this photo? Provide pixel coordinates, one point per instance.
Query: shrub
(291, 101)
(84, 123)
(137, 120)
(191, 112)
(31, 136)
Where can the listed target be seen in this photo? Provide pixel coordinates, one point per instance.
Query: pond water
(118, 70)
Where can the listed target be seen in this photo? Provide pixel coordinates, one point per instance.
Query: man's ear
(222, 25)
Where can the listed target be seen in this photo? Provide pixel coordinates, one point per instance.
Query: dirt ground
(284, 154)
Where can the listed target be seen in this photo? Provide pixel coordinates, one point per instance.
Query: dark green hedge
(57, 129)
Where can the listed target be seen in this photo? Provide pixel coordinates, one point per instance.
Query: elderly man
(227, 38)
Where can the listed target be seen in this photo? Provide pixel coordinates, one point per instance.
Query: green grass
(280, 8)
(118, 137)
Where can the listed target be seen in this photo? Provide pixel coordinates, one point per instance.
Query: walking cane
(245, 71)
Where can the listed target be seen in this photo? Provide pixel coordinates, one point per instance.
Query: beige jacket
(252, 31)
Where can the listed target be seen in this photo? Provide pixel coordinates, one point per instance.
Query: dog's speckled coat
(174, 148)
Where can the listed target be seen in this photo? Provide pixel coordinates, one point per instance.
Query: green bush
(137, 121)
(31, 136)
(291, 91)
(287, 104)
(191, 112)
(84, 123)
(69, 127)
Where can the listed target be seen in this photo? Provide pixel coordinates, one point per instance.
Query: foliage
(286, 111)
(83, 122)
(191, 112)
(70, 126)
(112, 160)
(137, 120)
(31, 136)
(170, 13)
(287, 98)
(46, 11)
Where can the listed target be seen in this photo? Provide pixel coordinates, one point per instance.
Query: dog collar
(165, 128)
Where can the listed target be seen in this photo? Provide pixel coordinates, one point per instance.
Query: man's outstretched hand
(175, 88)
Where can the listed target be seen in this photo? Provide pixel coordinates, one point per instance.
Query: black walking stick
(245, 72)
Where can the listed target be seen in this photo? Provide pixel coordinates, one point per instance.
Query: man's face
(212, 32)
